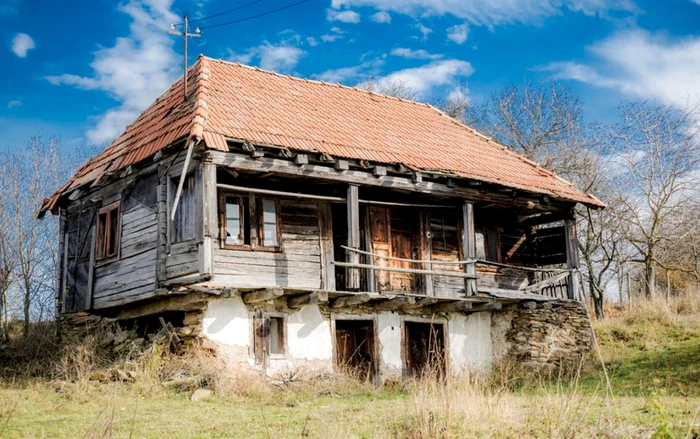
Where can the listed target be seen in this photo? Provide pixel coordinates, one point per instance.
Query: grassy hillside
(652, 354)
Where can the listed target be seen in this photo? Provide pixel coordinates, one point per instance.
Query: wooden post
(469, 245)
(353, 274)
(206, 216)
(572, 262)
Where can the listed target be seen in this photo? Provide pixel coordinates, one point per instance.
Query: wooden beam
(342, 165)
(572, 261)
(351, 300)
(379, 171)
(455, 306)
(423, 302)
(185, 302)
(395, 303)
(406, 270)
(353, 207)
(182, 179)
(469, 246)
(301, 159)
(494, 306)
(413, 183)
(262, 295)
(307, 299)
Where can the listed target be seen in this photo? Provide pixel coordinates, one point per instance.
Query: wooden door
(380, 233)
(394, 233)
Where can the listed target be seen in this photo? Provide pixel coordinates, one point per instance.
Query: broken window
(249, 222)
(444, 232)
(183, 223)
(486, 238)
(269, 336)
(107, 240)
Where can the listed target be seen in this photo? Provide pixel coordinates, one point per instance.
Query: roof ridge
(201, 104)
(327, 84)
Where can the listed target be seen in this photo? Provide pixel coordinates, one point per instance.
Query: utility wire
(237, 8)
(272, 11)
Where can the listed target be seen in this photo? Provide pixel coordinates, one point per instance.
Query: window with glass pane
(269, 223)
(234, 221)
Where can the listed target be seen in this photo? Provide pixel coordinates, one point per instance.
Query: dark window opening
(107, 240)
(424, 349)
(355, 348)
(444, 231)
(183, 223)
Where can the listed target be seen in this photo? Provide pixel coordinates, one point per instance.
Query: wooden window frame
(266, 355)
(255, 222)
(101, 254)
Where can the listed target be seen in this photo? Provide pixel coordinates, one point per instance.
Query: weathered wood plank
(262, 295)
(351, 300)
(307, 299)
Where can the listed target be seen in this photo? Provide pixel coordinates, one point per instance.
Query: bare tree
(653, 166)
(391, 87)
(543, 122)
(7, 255)
(32, 172)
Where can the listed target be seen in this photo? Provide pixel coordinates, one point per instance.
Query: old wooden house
(295, 223)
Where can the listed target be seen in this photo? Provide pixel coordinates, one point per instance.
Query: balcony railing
(550, 282)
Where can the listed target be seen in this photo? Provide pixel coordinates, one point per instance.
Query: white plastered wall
(470, 342)
(389, 334)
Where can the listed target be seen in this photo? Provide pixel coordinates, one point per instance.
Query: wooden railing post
(572, 262)
(469, 245)
(353, 274)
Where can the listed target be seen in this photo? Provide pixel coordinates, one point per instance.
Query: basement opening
(424, 349)
(355, 345)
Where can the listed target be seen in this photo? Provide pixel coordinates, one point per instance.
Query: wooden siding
(297, 266)
(133, 275)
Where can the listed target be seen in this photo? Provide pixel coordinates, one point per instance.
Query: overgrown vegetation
(80, 389)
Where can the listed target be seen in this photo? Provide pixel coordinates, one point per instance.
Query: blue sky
(86, 70)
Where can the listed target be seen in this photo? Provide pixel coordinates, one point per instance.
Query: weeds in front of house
(651, 353)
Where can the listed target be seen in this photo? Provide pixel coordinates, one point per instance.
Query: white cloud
(425, 31)
(311, 41)
(337, 34)
(21, 44)
(458, 33)
(384, 17)
(640, 65)
(361, 71)
(135, 70)
(346, 16)
(494, 12)
(405, 52)
(422, 80)
(279, 58)
(14, 103)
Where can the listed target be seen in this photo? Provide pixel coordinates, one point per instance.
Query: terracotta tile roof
(233, 101)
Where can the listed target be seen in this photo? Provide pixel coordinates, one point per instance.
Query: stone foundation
(542, 335)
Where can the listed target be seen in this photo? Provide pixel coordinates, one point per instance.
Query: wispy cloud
(384, 17)
(280, 58)
(345, 16)
(458, 33)
(135, 70)
(405, 52)
(424, 79)
(311, 41)
(21, 44)
(366, 68)
(13, 104)
(495, 12)
(335, 35)
(424, 30)
(641, 65)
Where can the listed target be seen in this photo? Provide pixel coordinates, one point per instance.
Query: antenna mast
(184, 34)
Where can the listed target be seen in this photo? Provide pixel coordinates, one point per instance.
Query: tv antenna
(185, 34)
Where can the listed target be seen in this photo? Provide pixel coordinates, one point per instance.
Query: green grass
(653, 360)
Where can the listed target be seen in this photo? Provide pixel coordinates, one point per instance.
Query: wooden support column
(353, 201)
(572, 262)
(206, 216)
(469, 245)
